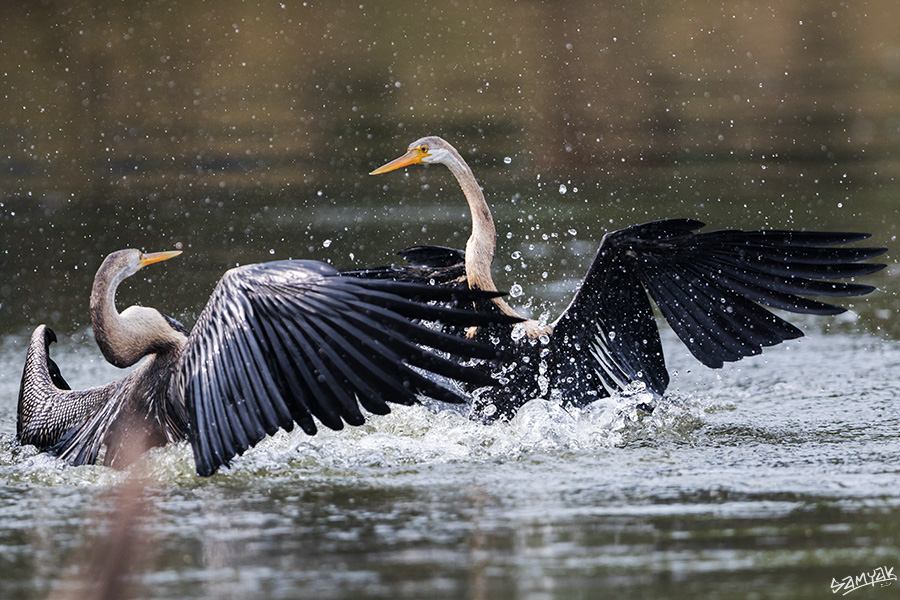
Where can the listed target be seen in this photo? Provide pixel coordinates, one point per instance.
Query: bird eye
(423, 148)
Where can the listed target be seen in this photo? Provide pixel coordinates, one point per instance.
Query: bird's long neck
(483, 241)
(127, 337)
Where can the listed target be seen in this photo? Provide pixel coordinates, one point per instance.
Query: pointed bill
(413, 157)
(155, 257)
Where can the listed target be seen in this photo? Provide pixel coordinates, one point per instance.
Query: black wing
(425, 264)
(47, 407)
(81, 444)
(434, 257)
(709, 287)
(280, 343)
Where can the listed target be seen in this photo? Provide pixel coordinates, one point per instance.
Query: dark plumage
(711, 287)
(278, 343)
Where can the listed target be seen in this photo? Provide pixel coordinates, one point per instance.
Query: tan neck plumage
(483, 241)
(124, 338)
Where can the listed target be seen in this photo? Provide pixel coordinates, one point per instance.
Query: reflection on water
(244, 132)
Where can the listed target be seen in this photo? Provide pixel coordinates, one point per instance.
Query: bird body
(711, 287)
(51, 416)
(76, 423)
(278, 343)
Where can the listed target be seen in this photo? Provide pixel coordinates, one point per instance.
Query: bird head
(125, 263)
(125, 338)
(427, 150)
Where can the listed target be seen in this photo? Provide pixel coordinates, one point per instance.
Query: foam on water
(411, 435)
(420, 436)
(781, 406)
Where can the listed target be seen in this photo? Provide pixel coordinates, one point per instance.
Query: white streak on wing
(611, 372)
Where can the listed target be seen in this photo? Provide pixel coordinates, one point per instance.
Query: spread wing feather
(283, 342)
(712, 288)
(81, 444)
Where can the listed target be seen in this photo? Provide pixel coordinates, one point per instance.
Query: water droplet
(507, 160)
(515, 291)
(326, 243)
(562, 188)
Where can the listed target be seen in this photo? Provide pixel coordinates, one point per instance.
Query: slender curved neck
(127, 337)
(483, 241)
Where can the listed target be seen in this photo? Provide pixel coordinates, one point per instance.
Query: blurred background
(243, 131)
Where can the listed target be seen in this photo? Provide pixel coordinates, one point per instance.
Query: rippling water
(776, 476)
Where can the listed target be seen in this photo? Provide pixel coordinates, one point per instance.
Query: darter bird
(278, 343)
(712, 287)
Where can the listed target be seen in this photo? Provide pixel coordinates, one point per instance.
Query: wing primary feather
(787, 264)
(786, 249)
(254, 401)
(317, 403)
(263, 393)
(782, 237)
(382, 358)
(433, 312)
(81, 444)
(789, 282)
(707, 328)
(351, 366)
(238, 423)
(681, 318)
(412, 332)
(765, 294)
(253, 406)
(404, 348)
(202, 433)
(735, 316)
(407, 348)
(217, 388)
(421, 292)
(296, 391)
(681, 313)
(307, 382)
(332, 378)
(278, 351)
(427, 387)
(208, 357)
(419, 334)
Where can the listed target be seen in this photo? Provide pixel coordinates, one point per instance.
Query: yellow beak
(155, 257)
(413, 157)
